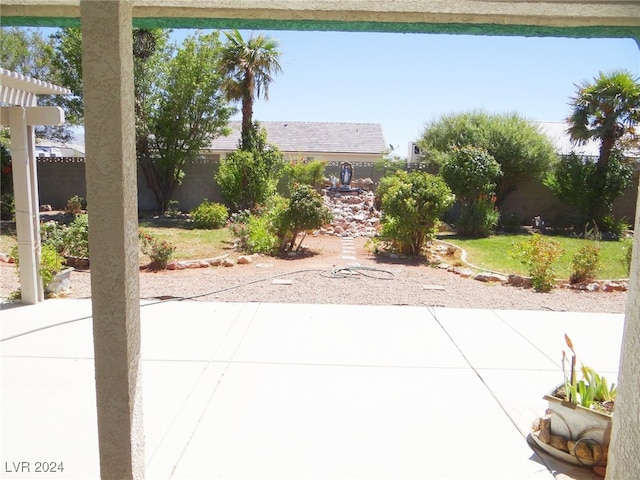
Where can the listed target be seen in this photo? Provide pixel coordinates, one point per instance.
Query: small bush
(76, 238)
(173, 210)
(51, 262)
(627, 248)
(304, 211)
(585, 264)
(261, 238)
(477, 219)
(511, 223)
(75, 205)
(412, 204)
(302, 172)
(537, 254)
(52, 233)
(614, 226)
(7, 206)
(239, 226)
(209, 215)
(159, 251)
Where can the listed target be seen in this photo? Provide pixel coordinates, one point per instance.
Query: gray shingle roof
(320, 137)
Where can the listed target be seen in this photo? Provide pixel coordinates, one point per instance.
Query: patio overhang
(21, 93)
(570, 18)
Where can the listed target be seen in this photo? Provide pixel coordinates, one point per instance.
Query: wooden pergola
(21, 93)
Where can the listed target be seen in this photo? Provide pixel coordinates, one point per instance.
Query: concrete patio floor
(242, 390)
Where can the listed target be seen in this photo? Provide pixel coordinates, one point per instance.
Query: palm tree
(605, 110)
(249, 67)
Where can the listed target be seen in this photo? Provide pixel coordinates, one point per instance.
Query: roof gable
(316, 137)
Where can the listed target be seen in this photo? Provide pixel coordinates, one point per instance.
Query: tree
(412, 204)
(305, 211)
(522, 151)
(249, 67)
(249, 175)
(180, 108)
(471, 173)
(606, 110)
(179, 102)
(30, 53)
(575, 180)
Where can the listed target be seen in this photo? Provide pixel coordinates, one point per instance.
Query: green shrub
(239, 226)
(585, 264)
(248, 176)
(614, 226)
(52, 233)
(537, 254)
(260, 236)
(304, 211)
(304, 173)
(209, 215)
(412, 204)
(477, 220)
(76, 238)
(51, 262)
(511, 223)
(173, 210)
(7, 206)
(470, 173)
(75, 205)
(627, 248)
(576, 181)
(159, 251)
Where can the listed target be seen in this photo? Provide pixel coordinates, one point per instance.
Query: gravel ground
(312, 279)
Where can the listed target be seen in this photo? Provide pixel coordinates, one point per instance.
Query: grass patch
(8, 239)
(493, 254)
(193, 244)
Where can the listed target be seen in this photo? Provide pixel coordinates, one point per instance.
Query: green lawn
(493, 254)
(191, 244)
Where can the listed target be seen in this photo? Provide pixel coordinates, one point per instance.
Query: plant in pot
(54, 278)
(577, 423)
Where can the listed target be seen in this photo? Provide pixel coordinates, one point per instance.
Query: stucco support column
(625, 435)
(107, 66)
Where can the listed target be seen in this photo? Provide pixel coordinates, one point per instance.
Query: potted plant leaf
(577, 424)
(55, 278)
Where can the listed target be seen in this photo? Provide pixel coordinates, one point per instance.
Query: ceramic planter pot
(60, 283)
(575, 422)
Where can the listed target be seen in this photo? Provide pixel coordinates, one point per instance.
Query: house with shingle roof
(329, 141)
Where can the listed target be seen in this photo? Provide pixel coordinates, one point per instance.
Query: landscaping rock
(614, 287)
(246, 259)
(228, 262)
(490, 277)
(518, 281)
(463, 272)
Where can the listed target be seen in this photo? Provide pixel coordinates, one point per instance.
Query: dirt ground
(321, 277)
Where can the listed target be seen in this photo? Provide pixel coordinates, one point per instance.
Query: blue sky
(403, 81)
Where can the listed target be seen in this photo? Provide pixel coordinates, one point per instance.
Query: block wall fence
(61, 178)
